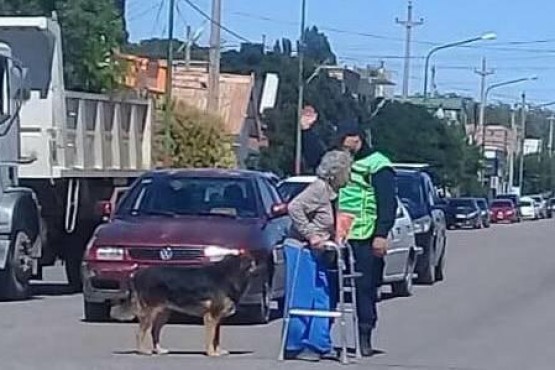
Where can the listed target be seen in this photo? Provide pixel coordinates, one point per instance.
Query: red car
(188, 217)
(503, 210)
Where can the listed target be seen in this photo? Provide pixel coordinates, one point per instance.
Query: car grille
(175, 254)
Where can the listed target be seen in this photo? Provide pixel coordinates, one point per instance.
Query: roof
(191, 86)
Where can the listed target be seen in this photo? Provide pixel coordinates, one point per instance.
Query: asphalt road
(494, 311)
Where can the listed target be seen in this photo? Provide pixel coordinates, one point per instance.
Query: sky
(364, 32)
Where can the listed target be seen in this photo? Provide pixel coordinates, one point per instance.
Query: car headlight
(422, 225)
(109, 254)
(216, 254)
(472, 215)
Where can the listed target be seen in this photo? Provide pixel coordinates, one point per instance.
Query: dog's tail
(125, 309)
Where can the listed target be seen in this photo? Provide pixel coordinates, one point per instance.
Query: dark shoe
(332, 355)
(366, 342)
(309, 356)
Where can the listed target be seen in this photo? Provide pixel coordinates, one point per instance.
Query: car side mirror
(278, 210)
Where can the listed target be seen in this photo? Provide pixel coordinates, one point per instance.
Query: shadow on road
(184, 353)
(52, 289)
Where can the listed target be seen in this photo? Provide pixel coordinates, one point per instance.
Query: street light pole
(484, 37)
(169, 85)
(483, 104)
(523, 127)
(298, 149)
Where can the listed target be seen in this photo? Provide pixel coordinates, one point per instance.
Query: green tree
(197, 140)
(92, 30)
(409, 133)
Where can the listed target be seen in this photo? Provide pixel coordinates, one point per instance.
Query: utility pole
(214, 67)
(409, 24)
(513, 150)
(300, 102)
(483, 73)
(523, 128)
(550, 140)
(169, 84)
(188, 47)
(434, 86)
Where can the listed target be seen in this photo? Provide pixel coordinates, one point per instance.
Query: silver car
(402, 254)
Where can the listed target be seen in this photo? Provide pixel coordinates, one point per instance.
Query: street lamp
(301, 82)
(483, 104)
(485, 37)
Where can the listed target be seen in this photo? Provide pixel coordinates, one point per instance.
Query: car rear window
(202, 196)
(461, 203)
(502, 204)
(525, 203)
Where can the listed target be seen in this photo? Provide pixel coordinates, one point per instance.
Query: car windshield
(196, 196)
(502, 204)
(289, 190)
(409, 189)
(482, 204)
(461, 203)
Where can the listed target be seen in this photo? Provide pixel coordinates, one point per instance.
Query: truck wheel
(73, 273)
(14, 281)
(96, 312)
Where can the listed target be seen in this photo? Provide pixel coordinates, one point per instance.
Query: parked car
(513, 198)
(187, 218)
(484, 208)
(400, 261)
(542, 205)
(427, 210)
(529, 209)
(503, 211)
(464, 212)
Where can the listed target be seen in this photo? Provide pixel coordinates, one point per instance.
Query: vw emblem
(166, 254)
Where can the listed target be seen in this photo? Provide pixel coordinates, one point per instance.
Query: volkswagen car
(188, 218)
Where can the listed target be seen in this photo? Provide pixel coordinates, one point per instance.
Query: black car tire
(14, 280)
(405, 287)
(261, 312)
(440, 268)
(426, 271)
(96, 312)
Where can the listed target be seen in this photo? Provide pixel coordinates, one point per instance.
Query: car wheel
(426, 269)
(440, 268)
(14, 280)
(405, 288)
(260, 313)
(96, 312)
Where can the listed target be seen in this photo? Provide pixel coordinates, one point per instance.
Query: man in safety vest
(370, 197)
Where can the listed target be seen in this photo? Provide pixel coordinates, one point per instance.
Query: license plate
(461, 216)
(500, 216)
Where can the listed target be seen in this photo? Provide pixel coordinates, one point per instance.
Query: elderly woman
(312, 213)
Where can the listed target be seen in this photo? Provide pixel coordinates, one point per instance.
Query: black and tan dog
(210, 292)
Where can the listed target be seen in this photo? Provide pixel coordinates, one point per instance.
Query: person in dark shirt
(370, 197)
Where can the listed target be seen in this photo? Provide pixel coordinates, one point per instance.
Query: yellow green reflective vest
(358, 196)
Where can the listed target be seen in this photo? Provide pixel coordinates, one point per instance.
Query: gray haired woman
(312, 210)
(307, 280)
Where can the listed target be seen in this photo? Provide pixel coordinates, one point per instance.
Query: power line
(158, 14)
(139, 14)
(218, 24)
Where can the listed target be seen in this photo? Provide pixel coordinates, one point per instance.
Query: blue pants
(307, 287)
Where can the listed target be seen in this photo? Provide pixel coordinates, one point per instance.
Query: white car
(529, 209)
(403, 252)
